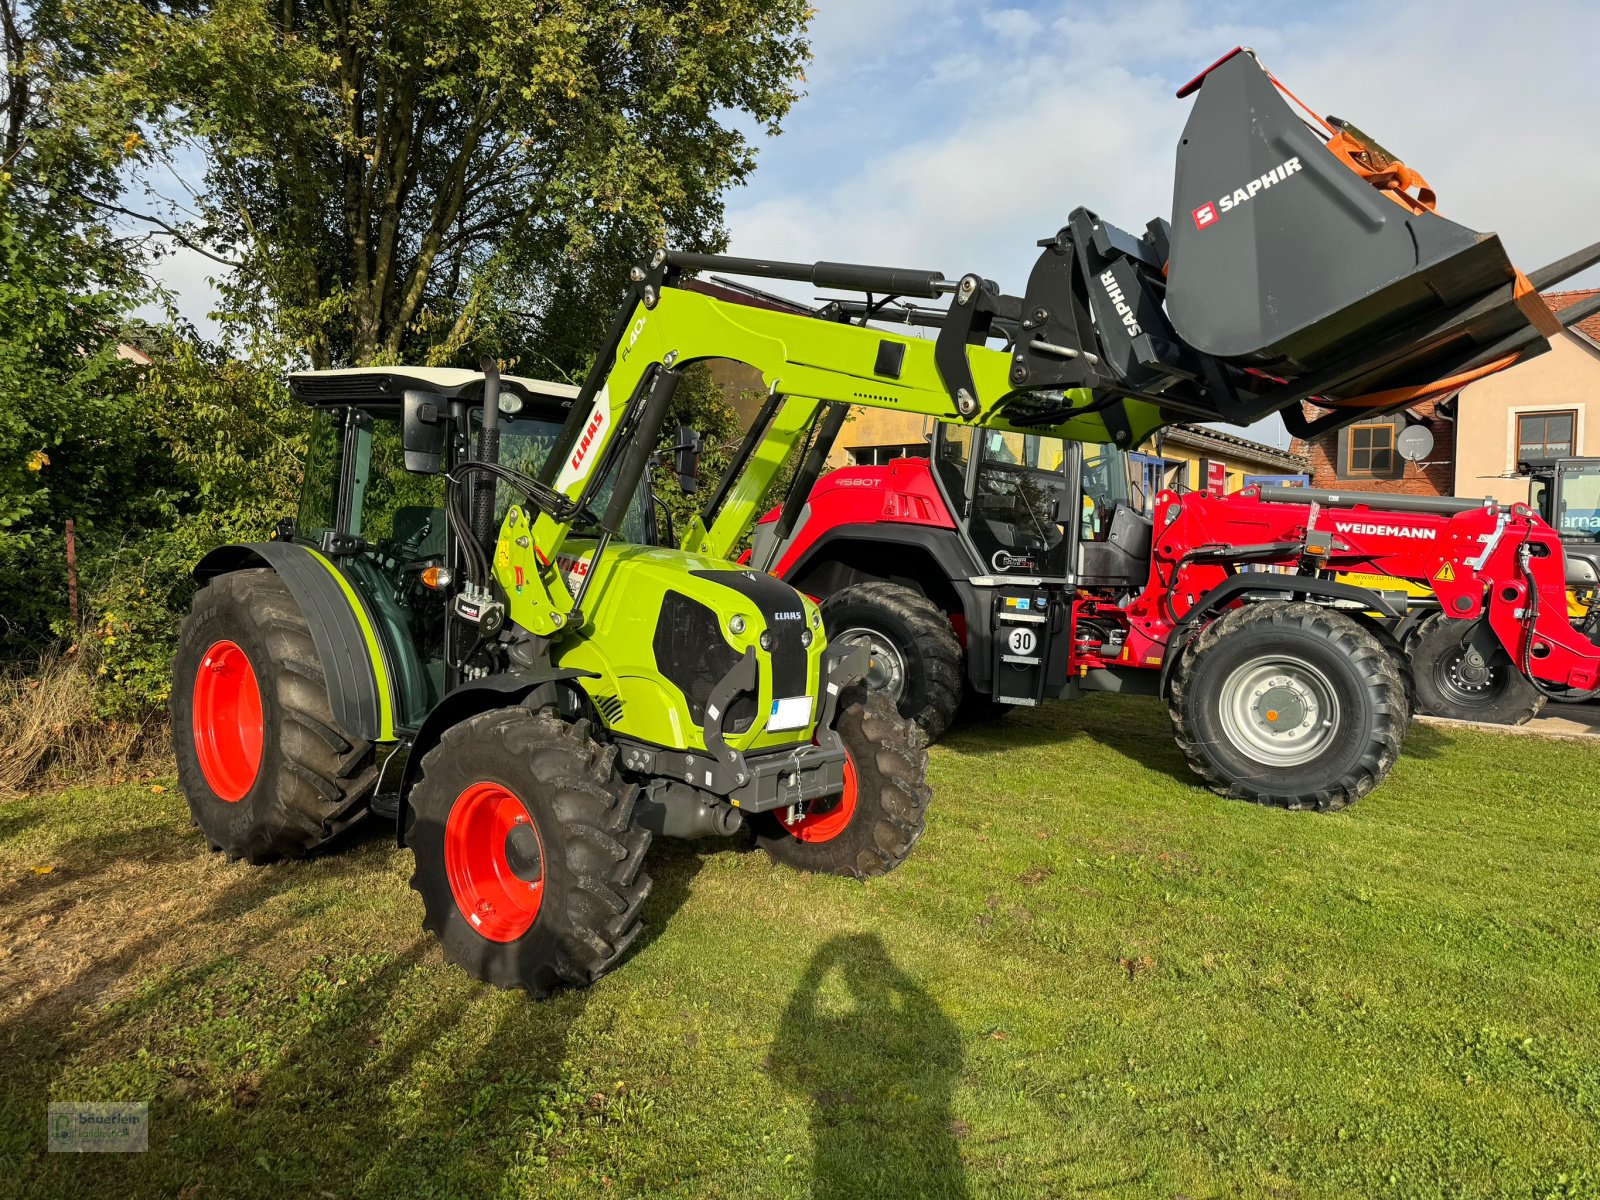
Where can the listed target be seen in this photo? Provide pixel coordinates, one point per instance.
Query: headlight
(766, 639)
(805, 637)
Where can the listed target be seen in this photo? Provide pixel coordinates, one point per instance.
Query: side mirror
(686, 459)
(1066, 508)
(422, 433)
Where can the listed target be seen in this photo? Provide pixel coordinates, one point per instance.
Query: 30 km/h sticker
(1022, 641)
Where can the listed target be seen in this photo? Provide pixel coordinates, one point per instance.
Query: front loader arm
(807, 361)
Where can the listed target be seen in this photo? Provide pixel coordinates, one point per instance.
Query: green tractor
(531, 703)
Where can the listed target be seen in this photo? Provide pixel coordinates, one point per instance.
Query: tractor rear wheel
(528, 859)
(870, 827)
(265, 769)
(1456, 680)
(915, 657)
(1289, 704)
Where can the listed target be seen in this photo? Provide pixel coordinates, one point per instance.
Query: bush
(234, 439)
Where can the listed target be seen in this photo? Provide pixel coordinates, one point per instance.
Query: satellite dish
(1415, 443)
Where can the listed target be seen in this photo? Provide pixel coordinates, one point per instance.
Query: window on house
(1545, 435)
(1371, 450)
(878, 456)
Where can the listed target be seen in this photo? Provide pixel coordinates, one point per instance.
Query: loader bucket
(1305, 253)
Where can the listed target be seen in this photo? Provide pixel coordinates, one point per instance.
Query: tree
(389, 178)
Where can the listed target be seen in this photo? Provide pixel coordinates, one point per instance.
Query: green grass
(1092, 977)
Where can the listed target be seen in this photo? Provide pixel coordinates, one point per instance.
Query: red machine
(1015, 568)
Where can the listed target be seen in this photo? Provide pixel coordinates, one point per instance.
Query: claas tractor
(472, 626)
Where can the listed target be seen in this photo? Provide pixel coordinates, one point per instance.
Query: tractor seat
(1123, 558)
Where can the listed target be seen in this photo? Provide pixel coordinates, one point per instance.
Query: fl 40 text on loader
(472, 627)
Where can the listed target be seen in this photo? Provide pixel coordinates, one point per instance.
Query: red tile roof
(1589, 326)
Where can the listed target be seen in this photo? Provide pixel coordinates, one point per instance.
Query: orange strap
(1394, 397)
(1389, 175)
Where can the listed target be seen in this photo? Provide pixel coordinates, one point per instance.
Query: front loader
(469, 625)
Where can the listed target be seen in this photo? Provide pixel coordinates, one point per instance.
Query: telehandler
(467, 625)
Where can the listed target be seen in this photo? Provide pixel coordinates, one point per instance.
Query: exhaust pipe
(488, 452)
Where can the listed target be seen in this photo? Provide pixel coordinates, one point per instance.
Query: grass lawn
(1092, 977)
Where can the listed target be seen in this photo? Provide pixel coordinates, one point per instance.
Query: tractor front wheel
(1289, 704)
(1457, 680)
(528, 860)
(265, 769)
(871, 826)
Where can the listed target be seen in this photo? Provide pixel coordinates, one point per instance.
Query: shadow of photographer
(878, 1059)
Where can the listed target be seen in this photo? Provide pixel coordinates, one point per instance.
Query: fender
(1234, 586)
(540, 685)
(354, 659)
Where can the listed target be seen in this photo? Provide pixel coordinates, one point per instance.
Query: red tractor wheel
(528, 859)
(265, 769)
(870, 827)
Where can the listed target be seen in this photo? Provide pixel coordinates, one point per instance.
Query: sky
(954, 134)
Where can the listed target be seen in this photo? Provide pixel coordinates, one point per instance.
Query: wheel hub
(228, 727)
(1469, 673)
(494, 859)
(523, 853)
(1279, 711)
(886, 669)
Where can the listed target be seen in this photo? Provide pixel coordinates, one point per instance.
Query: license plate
(792, 712)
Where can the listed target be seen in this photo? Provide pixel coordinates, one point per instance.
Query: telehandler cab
(498, 656)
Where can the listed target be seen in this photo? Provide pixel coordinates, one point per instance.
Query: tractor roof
(357, 385)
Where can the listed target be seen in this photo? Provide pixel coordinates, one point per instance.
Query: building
(1184, 457)
(1546, 407)
(1199, 458)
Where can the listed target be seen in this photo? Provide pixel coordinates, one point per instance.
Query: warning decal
(1447, 574)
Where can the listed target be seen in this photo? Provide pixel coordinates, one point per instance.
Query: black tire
(1450, 684)
(587, 858)
(314, 781)
(1397, 655)
(1303, 661)
(889, 760)
(917, 659)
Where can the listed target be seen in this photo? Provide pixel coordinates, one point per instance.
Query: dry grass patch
(50, 733)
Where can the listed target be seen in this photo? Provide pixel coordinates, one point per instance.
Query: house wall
(1566, 378)
(1238, 463)
(1433, 476)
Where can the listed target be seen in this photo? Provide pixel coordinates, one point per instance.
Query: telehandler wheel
(1290, 704)
(916, 659)
(1457, 681)
(527, 855)
(871, 826)
(266, 771)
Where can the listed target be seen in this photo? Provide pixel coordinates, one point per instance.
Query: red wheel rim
(227, 721)
(829, 823)
(494, 859)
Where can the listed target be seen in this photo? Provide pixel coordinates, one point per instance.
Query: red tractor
(1009, 568)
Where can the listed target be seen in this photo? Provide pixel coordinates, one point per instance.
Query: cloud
(1012, 127)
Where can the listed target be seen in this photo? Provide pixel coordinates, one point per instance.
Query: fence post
(72, 574)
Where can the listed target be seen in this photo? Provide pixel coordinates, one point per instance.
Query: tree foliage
(393, 179)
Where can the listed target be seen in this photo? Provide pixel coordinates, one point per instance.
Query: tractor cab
(1040, 507)
(1566, 492)
(377, 514)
